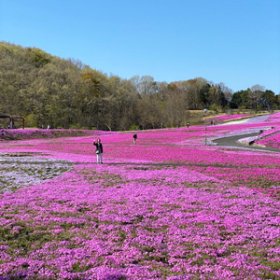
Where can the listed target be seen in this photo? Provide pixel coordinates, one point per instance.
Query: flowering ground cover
(270, 137)
(169, 207)
(229, 117)
(21, 169)
(272, 141)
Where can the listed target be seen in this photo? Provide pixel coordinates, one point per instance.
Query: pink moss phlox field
(167, 207)
(271, 136)
(271, 139)
(230, 117)
(274, 118)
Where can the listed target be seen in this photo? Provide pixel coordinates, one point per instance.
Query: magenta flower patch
(168, 207)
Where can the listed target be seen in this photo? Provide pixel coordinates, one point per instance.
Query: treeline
(47, 90)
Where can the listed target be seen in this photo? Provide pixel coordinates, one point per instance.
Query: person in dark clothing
(134, 138)
(99, 151)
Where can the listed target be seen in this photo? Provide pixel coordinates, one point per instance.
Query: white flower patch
(22, 169)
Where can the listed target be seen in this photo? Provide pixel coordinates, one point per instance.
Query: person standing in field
(134, 138)
(99, 151)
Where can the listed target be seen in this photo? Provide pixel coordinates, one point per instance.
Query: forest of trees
(47, 90)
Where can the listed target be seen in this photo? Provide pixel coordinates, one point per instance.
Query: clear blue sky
(236, 42)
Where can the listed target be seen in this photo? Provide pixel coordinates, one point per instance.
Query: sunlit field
(171, 206)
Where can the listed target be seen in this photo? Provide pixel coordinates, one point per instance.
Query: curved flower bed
(271, 140)
(271, 136)
(229, 117)
(274, 118)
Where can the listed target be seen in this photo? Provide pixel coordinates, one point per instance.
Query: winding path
(232, 141)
